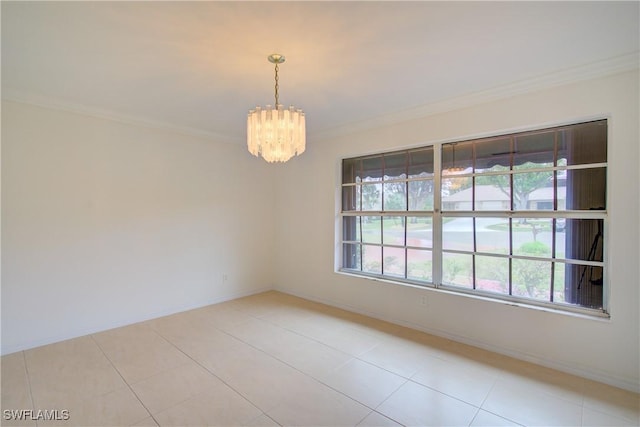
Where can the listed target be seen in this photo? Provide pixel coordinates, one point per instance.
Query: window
(517, 217)
(387, 209)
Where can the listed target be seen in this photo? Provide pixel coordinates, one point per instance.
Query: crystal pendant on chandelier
(277, 134)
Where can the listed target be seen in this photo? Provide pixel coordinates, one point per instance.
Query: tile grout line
(310, 337)
(273, 357)
(351, 327)
(328, 385)
(348, 327)
(125, 381)
(266, 415)
(474, 417)
(582, 401)
(480, 408)
(503, 417)
(26, 371)
(495, 381)
(410, 379)
(212, 373)
(483, 401)
(352, 358)
(389, 397)
(319, 381)
(363, 418)
(357, 357)
(388, 417)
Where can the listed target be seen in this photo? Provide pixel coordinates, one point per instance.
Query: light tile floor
(273, 359)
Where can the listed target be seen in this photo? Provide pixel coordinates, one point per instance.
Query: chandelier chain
(277, 100)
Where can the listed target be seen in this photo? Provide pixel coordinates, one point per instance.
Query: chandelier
(276, 133)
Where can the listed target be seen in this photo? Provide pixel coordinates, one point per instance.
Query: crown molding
(590, 71)
(593, 70)
(12, 95)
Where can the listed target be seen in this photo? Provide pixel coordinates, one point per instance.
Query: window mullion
(406, 223)
(437, 216)
(382, 238)
(511, 143)
(474, 279)
(359, 219)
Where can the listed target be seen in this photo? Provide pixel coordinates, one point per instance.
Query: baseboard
(148, 316)
(601, 377)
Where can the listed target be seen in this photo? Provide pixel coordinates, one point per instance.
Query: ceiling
(202, 65)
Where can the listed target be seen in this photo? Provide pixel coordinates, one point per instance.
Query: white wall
(106, 223)
(607, 350)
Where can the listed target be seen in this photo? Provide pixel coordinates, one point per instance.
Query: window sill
(570, 311)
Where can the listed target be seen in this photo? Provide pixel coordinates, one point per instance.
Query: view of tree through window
(519, 216)
(396, 241)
